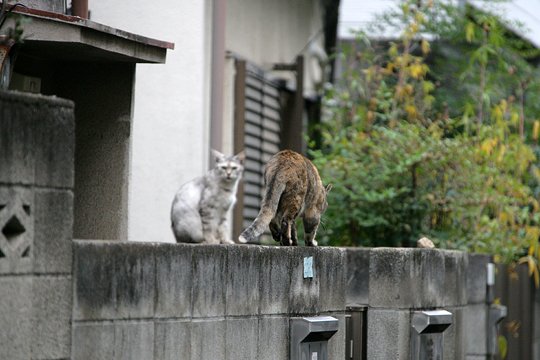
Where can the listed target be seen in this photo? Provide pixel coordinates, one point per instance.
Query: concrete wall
(36, 220)
(147, 301)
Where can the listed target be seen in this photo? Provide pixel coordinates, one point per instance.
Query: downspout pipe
(217, 74)
(80, 8)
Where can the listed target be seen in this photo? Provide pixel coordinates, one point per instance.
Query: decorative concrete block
(113, 280)
(357, 276)
(477, 278)
(304, 292)
(241, 339)
(16, 230)
(51, 320)
(15, 317)
(133, 340)
(274, 280)
(388, 334)
(209, 280)
(172, 340)
(242, 292)
(173, 280)
(93, 341)
(53, 213)
(475, 328)
(331, 270)
(416, 278)
(208, 339)
(273, 342)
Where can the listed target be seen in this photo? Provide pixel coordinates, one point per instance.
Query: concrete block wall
(162, 301)
(36, 217)
(476, 313)
(393, 282)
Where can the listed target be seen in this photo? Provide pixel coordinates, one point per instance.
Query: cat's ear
(241, 156)
(328, 188)
(217, 156)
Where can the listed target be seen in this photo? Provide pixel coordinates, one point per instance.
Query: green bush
(410, 154)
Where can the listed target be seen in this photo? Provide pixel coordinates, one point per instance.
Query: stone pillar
(36, 220)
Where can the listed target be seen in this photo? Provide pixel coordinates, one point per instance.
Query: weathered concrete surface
(236, 301)
(36, 220)
(36, 140)
(417, 278)
(357, 276)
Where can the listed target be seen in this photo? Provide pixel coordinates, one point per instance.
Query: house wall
(169, 122)
(270, 32)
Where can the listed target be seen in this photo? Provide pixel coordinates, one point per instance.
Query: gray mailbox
(309, 337)
(427, 334)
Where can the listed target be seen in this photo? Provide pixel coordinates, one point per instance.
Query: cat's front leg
(310, 230)
(223, 232)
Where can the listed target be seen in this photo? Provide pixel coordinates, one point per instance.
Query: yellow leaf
(393, 51)
(488, 145)
(411, 110)
(503, 346)
(536, 129)
(503, 217)
(416, 70)
(425, 47)
(501, 153)
(514, 118)
(532, 266)
(536, 277)
(469, 32)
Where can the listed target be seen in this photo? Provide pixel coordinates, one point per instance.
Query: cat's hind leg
(275, 230)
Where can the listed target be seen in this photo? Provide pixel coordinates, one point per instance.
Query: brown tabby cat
(293, 188)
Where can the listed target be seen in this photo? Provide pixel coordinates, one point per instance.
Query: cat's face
(228, 168)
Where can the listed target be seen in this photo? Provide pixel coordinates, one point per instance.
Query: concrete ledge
(115, 280)
(416, 278)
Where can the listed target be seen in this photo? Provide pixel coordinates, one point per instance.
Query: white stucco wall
(169, 132)
(268, 32)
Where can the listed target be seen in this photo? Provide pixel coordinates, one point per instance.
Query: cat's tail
(269, 207)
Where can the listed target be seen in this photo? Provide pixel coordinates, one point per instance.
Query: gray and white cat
(201, 207)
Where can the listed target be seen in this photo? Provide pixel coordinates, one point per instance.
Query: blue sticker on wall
(308, 267)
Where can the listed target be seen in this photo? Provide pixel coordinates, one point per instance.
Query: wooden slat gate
(258, 131)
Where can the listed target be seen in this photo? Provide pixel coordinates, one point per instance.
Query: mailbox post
(310, 335)
(427, 334)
